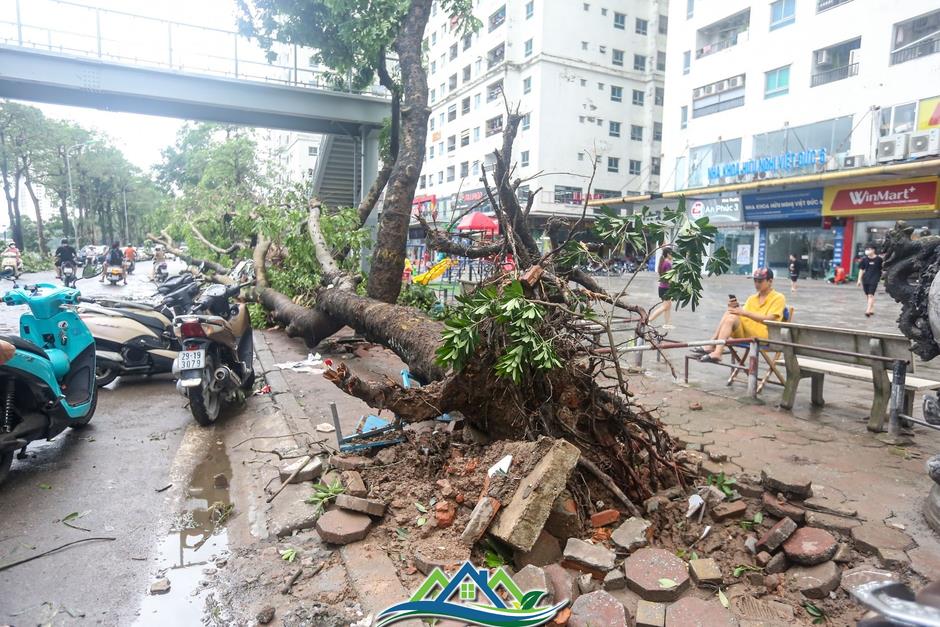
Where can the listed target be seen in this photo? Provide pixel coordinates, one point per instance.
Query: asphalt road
(142, 438)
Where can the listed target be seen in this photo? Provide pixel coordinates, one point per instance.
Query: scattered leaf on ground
(421, 508)
(667, 583)
(288, 555)
(722, 598)
(45, 486)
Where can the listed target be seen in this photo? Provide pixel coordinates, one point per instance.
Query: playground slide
(434, 271)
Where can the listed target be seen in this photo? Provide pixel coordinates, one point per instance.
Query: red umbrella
(477, 221)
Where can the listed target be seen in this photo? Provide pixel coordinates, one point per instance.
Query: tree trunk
(67, 228)
(40, 234)
(388, 258)
(16, 224)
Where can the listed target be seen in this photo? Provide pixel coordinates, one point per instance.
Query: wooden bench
(806, 360)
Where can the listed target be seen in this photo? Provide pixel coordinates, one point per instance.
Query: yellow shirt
(772, 306)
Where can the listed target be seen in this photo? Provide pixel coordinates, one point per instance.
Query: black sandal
(708, 359)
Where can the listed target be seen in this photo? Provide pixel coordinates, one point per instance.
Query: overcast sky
(140, 137)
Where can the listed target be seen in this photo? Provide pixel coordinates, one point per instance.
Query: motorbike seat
(151, 322)
(24, 345)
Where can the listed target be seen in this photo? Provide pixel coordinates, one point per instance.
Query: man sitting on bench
(747, 322)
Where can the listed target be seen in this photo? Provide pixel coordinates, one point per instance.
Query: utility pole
(68, 173)
(127, 235)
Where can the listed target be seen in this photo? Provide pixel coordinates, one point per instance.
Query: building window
(433, 95)
(655, 166)
(657, 131)
(689, 8)
(777, 82)
(476, 101)
(467, 40)
(635, 166)
(476, 168)
(441, 119)
(684, 117)
(638, 97)
(452, 82)
(580, 156)
(600, 86)
(431, 123)
(476, 133)
(494, 126)
(433, 67)
(529, 9)
(465, 137)
(636, 133)
(617, 57)
(440, 177)
(587, 6)
(312, 151)
(527, 84)
(660, 96)
(465, 106)
(495, 56)
(452, 143)
(524, 158)
(527, 48)
(526, 121)
(835, 63)
(451, 175)
(616, 93)
(567, 195)
(686, 61)
(782, 12)
(718, 96)
(916, 38)
(584, 45)
(431, 152)
(421, 181)
(493, 90)
(466, 74)
(641, 26)
(613, 165)
(602, 49)
(620, 21)
(639, 63)
(497, 18)
(452, 112)
(614, 129)
(433, 38)
(453, 52)
(663, 25)
(465, 169)
(661, 61)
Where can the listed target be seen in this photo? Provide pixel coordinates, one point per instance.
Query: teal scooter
(47, 374)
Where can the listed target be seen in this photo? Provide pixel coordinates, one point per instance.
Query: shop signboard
(928, 114)
(918, 194)
(775, 165)
(424, 205)
(838, 243)
(719, 211)
(762, 248)
(800, 204)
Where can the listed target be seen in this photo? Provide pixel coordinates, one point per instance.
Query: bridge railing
(70, 28)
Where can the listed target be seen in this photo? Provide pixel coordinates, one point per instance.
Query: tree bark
(41, 236)
(388, 258)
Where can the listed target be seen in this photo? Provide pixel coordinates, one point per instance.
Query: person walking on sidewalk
(748, 321)
(665, 305)
(869, 276)
(794, 269)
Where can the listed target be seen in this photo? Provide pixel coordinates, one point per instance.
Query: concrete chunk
(597, 608)
(354, 484)
(787, 479)
(480, 518)
(650, 614)
(656, 574)
(705, 571)
(534, 578)
(631, 535)
(592, 558)
(364, 506)
(519, 523)
(809, 546)
(564, 582)
(815, 582)
(341, 527)
(694, 611)
(311, 470)
(350, 462)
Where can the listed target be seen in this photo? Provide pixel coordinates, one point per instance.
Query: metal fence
(835, 74)
(915, 51)
(70, 28)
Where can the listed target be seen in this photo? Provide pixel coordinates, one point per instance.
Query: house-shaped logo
(472, 596)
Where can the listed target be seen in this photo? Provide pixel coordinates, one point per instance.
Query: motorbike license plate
(192, 360)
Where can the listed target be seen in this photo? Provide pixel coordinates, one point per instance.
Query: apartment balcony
(833, 75)
(916, 51)
(723, 34)
(720, 45)
(825, 5)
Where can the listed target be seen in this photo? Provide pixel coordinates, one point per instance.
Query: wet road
(141, 439)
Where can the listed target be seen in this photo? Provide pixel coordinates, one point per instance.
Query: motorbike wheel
(82, 422)
(205, 404)
(246, 352)
(104, 376)
(6, 460)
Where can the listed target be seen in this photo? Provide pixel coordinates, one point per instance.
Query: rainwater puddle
(196, 539)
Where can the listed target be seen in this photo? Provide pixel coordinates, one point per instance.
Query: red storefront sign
(910, 195)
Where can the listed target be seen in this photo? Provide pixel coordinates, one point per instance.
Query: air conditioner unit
(696, 93)
(855, 56)
(721, 86)
(854, 161)
(823, 58)
(735, 81)
(893, 147)
(708, 89)
(925, 144)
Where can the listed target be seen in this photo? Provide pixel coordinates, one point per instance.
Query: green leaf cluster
(514, 323)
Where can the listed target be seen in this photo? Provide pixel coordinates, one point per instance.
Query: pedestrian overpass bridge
(62, 52)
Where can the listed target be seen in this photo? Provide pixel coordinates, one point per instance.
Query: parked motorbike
(215, 366)
(129, 266)
(897, 605)
(114, 274)
(10, 265)
(68, 273)
(160, 273)
(136, 338)
(174, 283)
(48, 383)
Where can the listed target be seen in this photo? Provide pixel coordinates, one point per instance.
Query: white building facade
(588, 76)
(762, 92)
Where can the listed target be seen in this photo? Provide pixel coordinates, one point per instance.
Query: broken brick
(776, 535)
(815, 582)
(591, 558)
(723, 511)
(350, 462)
(444, 513)
(338, 526)
(705, 571)
(605, 518)
(357, 504)
(647, 570)
(631, 535)
(787, 479)
(354, 484)
(597, 608)
(480, 518)
(782, 509)
(810, 546)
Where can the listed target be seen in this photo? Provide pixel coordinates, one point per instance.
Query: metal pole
(638, 352)
(295, 65)
(127, 235)
(236, 54)
(899, 374)
(98, 29)
(19, 24)
(752, 370)
(169, 40)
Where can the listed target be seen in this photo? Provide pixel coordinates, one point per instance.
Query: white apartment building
(292, 154)
(588, 77)
(844, 94)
